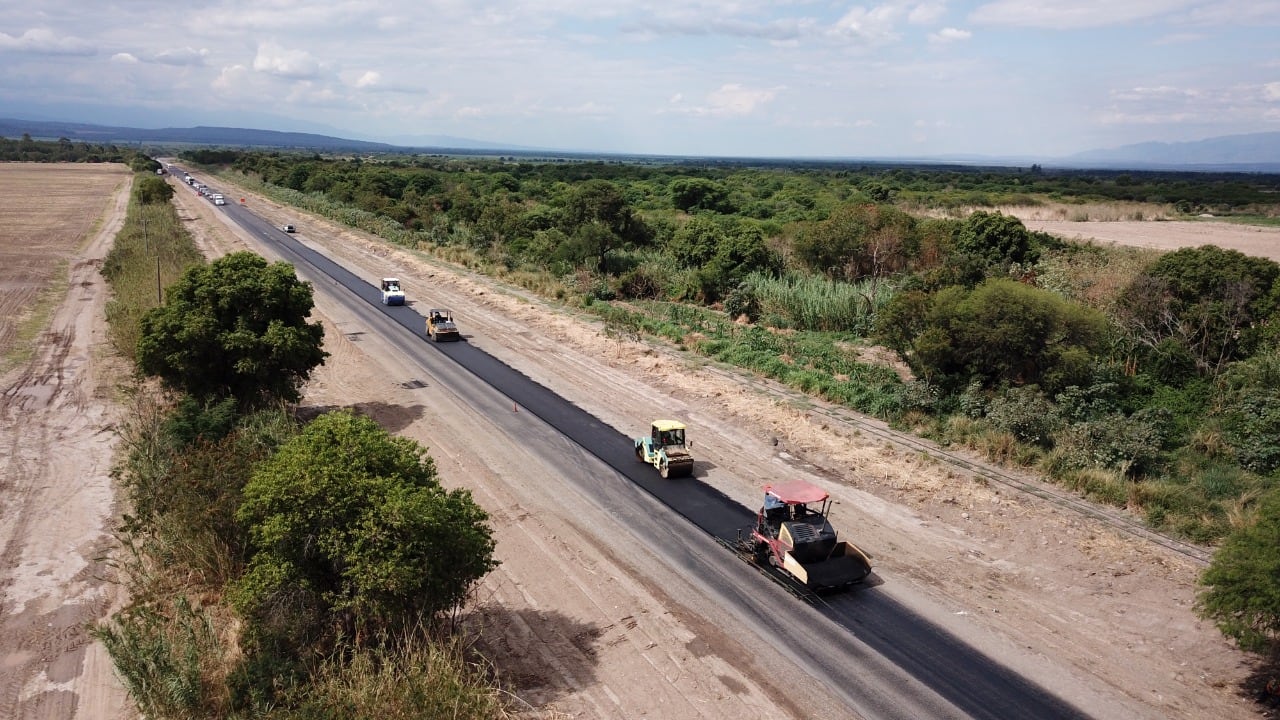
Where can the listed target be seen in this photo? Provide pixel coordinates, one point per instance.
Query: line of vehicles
(439, 321)
(205, 191)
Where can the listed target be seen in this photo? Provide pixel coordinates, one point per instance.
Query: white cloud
(783, 30)
(1242, 103)
(875, 25)
(733, 99)
(1179, 38)
(124, 59)
(927, 13)
(368, 79)
(293, 64)
(43, 41)
(231, 78)
(1160, 92)
(1073, 14)
(948, 35)
(1236, 12)
(181, 56)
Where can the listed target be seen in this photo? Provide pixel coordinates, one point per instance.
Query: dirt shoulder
(57, 414)
(1101, 618)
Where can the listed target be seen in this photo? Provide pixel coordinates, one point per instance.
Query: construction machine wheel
(665, 471)
(683, 468)
(761, 550)
(640, 453)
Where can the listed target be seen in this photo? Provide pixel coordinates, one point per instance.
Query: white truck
(218, 199)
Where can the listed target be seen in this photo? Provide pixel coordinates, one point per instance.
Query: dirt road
(57, 412)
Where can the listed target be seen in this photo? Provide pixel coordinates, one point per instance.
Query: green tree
(152, 190)
(859, 241)
(1216, 303)
(352, 523)
(995, 238)
(236, 327)
(1243, 581)
(1002, 333)
(598, 218)
(691, 194)
(1249, 405)
(696, 241)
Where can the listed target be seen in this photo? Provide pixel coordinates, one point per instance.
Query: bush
(350, 526)
(1243, 581)
(234, 328)
(1130, 445)
(741, 301)
(1025, 412)
(166, 660)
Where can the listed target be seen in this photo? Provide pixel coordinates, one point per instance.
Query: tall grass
(811, 302)
(170, 658)
(818, 363)
(151, 251)
(418, 680)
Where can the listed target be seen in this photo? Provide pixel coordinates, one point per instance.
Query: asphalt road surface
(878, 656)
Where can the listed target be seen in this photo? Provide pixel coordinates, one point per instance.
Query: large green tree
(350, 525)
(1215, 303)
(237, 328)
(859, 241)
(995, 238)
(693, 193)
(1243, 595)
(153, 190)
(598, 218)
(1000, 333)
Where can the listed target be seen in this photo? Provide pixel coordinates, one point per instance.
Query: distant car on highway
(288, 228)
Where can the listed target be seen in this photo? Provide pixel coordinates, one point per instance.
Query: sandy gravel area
(1170, 235)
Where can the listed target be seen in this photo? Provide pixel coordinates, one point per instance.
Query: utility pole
(146, 241)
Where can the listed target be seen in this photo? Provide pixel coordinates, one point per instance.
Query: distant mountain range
(1257, 152)
(224, 137)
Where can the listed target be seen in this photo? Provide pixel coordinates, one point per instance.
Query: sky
(781, 78)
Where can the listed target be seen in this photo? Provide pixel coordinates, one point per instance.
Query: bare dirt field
(56, 441)
(1170, 235)
(586, 624)
(46, 214)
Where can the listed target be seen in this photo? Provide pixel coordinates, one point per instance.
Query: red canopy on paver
(797, 492)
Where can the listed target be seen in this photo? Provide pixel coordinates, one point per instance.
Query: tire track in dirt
(56, 505)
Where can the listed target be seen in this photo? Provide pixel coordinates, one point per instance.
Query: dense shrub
(353, 534)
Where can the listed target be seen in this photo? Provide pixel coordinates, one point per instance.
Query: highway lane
(881, 658)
